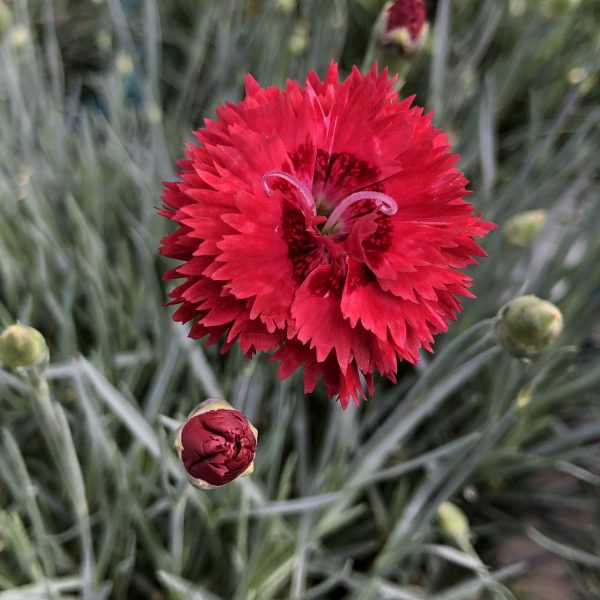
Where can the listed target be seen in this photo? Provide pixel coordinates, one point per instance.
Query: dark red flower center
(323, 241)
(384, 203)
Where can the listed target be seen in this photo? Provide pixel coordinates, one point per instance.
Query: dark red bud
(217, 446)
(410, 14)
(405, 25)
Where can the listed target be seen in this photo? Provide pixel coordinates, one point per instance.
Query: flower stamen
(386, 204)
(301, 187)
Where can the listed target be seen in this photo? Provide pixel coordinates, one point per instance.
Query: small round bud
(124, 64)
(527, 325)
(216, 444)
(19, 37)
(453, 522)
(285, 6)
(522, 229)
(103, 40)
(299, 39)
(577, 75)
(517, 8)
(153, 112)
(22, 346)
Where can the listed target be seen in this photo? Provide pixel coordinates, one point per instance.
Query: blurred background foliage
(96, 100)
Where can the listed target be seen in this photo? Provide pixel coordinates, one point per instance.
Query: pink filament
(301, 187)
(386, 204)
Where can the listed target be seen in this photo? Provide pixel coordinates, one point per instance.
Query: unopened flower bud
(285, 6)
(19, 37)
(453, 522)
(517, 8)
(154, 112)
(103, 40)
(299, 39)
(22, 346)
(124, 64)
(527, 325)
(521, 229)
(405, 25)
(216, 444)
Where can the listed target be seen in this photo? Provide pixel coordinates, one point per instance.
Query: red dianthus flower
(325, 223)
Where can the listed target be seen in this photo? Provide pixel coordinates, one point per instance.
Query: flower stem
(54, 427)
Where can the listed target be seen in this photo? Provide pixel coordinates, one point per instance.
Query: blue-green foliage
(96, 100)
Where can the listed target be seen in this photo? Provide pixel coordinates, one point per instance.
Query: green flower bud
(22, 346)
(18, 36)
(521, 229)
(453, 522)
(124, 64)
(527, 325)
(103, 40)
(517, 8)
(285, 6)
(299, 39)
